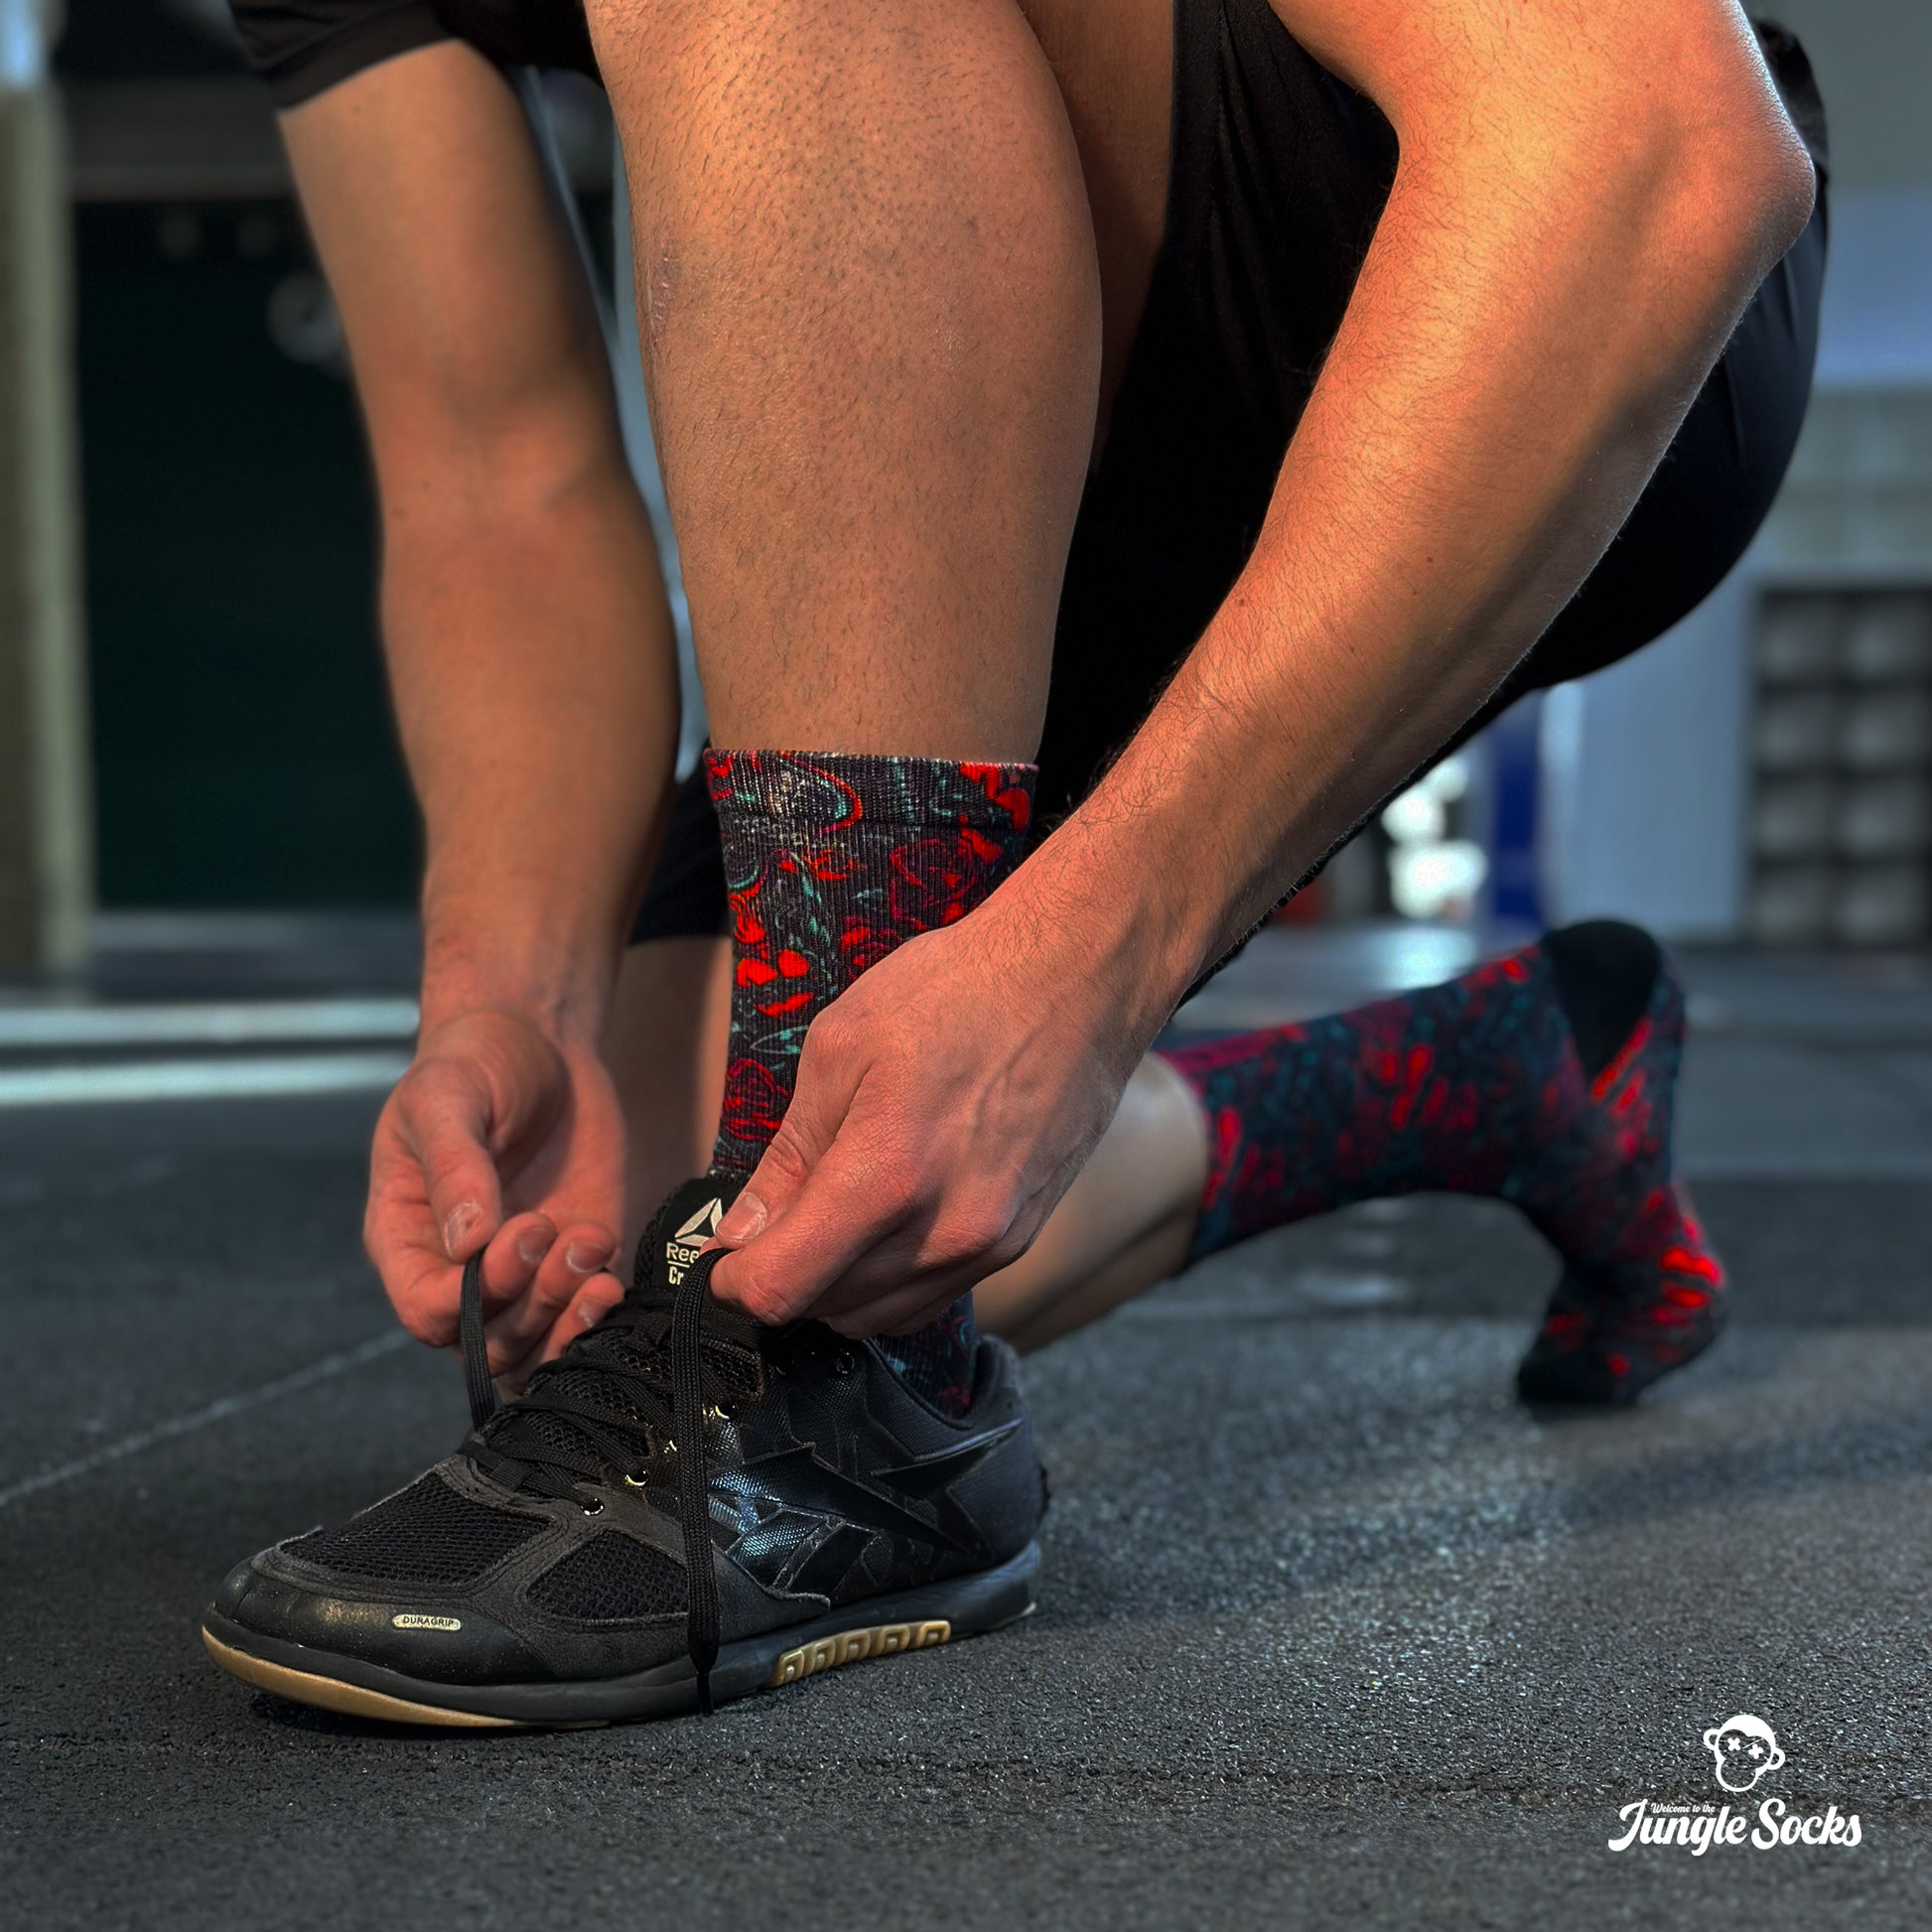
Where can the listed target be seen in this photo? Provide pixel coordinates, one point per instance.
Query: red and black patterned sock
(1544, 1079)
(832, 861)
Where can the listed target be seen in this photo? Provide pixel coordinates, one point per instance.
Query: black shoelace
(588, 1415)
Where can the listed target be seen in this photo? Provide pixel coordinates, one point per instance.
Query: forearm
(1529, 325)
(530, 652)
(524, 621)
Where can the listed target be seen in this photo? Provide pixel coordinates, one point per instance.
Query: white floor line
(228, 1404)
(244, 1078)
(207, 1022)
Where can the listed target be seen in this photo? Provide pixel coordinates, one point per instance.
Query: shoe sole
(916, 1619)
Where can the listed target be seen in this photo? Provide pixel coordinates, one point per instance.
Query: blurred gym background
(200, 790)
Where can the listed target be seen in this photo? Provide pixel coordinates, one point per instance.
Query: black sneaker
(540, 1574)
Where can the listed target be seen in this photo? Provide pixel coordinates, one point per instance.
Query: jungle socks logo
(1744, 1749)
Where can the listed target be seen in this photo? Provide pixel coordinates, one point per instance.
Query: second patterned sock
(1544, 1079)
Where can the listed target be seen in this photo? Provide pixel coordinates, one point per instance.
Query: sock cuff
(828, 791)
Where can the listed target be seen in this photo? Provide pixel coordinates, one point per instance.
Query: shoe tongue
(678, 1231)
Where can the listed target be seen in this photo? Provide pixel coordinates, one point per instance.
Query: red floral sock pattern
(833, 860)
(1506, 1082)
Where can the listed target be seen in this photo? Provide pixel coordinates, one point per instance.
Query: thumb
(827, 1080)
(446, 1120)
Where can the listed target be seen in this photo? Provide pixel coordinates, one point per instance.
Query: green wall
(244, 746)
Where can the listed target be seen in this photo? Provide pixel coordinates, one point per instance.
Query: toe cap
(452, 1643)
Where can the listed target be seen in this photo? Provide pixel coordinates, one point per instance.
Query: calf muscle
(867, 272)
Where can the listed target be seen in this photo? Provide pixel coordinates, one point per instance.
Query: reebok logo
(704, 1223)
(684, 1247)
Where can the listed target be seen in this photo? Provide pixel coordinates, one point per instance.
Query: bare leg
(868, 281)
(665, 1046)
(1125, 1224)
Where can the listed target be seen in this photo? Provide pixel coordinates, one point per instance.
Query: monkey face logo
(1745, 1747)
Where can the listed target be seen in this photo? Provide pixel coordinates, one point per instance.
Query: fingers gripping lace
(477, 1378)
(590, 1413)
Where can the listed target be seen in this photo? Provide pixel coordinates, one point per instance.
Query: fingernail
(532, 1245)
(457, 1228)
(745, 1218)
(587, 1257)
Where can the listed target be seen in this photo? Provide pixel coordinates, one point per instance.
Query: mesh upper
(735, 1368)
(610, 1579)
(424, 1534)
(594, 1389)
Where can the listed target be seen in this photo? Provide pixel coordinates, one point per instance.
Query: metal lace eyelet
(719, 1412)
(637, 1481)
(844, 1362)
(594, 1506)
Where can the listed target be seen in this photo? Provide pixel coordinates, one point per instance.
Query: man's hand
(944, 1103)
(498, 1140)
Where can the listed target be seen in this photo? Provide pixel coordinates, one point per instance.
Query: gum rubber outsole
(333, 1694)
(916, 1619)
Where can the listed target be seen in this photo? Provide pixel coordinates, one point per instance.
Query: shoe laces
(590, 1413)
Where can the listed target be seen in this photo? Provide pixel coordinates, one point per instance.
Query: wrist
(570, 1018)
(1092, 887)
(556, 975)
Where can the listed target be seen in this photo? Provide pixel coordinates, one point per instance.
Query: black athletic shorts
(1278, 175)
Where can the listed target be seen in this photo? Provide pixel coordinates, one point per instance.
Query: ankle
(939, 1363)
